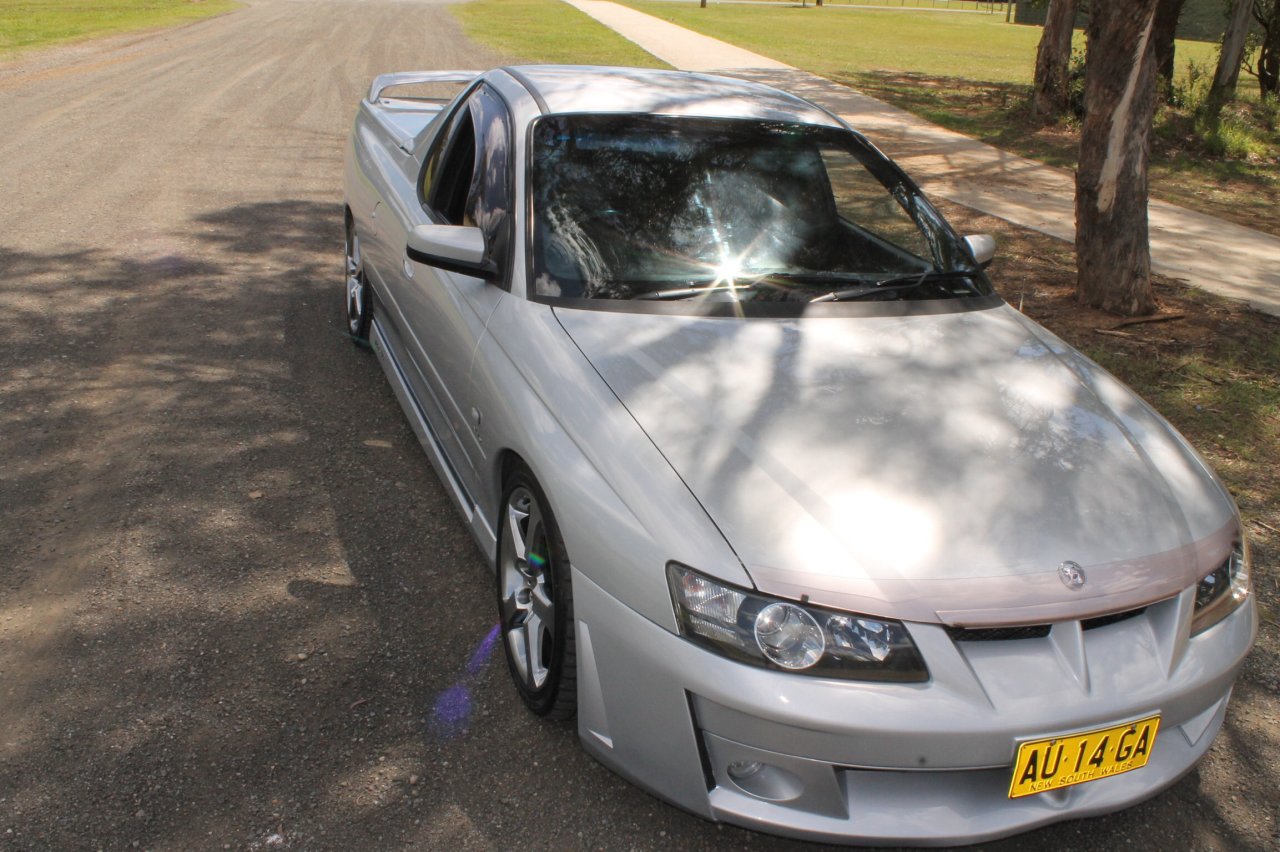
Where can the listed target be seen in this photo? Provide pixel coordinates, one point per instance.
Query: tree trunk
(1267, 67)
(1232, 55)
(1053, 60)
(1166, 30)
(1113, 257)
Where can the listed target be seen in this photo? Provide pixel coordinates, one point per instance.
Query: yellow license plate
(1056, 762)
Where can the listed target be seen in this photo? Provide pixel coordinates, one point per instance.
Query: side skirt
(418, 420)
(482, 531)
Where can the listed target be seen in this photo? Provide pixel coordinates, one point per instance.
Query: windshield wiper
(777, 280)
(901, 284)
(757, 280)
(695, 290)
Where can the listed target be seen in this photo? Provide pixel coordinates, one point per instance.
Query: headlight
(1220, 592)
(772, 633)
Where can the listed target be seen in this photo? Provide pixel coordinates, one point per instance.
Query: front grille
(1033, 631)
(997, 634)
(1104, 620)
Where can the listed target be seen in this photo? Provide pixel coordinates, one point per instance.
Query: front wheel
(535, 600)
(358, 295)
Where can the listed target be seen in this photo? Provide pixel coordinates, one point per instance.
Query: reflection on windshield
(645, 207)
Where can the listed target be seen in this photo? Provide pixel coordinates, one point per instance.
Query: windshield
(651, 207)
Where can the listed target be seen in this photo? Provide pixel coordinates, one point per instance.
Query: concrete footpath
(1202, 250)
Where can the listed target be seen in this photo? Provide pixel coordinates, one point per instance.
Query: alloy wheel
(357, 288)
(527, 593)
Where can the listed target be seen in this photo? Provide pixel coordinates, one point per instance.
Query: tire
(535, 599)
(359, 295)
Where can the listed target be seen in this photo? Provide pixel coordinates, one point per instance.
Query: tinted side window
(488, 204)
(467, 177)
(438, 154)
(447, 194)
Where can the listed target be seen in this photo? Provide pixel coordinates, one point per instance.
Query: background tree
(1052, 93)
(1267, 66)
(1231, 56)
(1166, 30)
(1113, 257)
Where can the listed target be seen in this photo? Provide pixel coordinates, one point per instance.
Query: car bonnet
(937, 467)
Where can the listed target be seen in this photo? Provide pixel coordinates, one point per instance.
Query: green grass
(547, 31)
(26, 24)
(834, 41)
(997, 8)
(831, 40)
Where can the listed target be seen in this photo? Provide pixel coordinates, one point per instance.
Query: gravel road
(236, 608)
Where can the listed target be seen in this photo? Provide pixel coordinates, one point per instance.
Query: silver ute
(809, 529)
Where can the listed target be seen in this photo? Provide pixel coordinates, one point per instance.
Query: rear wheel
(535, 600)
(358, 296)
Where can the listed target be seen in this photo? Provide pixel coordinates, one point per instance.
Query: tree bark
(1166, 30)
(1232, 55)
(1052, 93)
(1113, 257)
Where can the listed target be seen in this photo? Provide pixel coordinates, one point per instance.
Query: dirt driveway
(236, 608)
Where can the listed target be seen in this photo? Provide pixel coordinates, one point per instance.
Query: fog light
(765, 780)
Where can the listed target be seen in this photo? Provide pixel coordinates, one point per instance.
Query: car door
(466, 180)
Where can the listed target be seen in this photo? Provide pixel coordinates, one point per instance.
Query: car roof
(596, 89)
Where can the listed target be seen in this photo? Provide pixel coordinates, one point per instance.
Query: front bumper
(871, 763)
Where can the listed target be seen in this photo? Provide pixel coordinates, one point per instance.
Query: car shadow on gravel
(238, 610)
(233, 586)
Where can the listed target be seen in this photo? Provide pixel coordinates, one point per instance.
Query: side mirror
(982, 247)
(454, 248)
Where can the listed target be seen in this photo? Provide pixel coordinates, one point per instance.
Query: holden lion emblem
(1071, 575)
